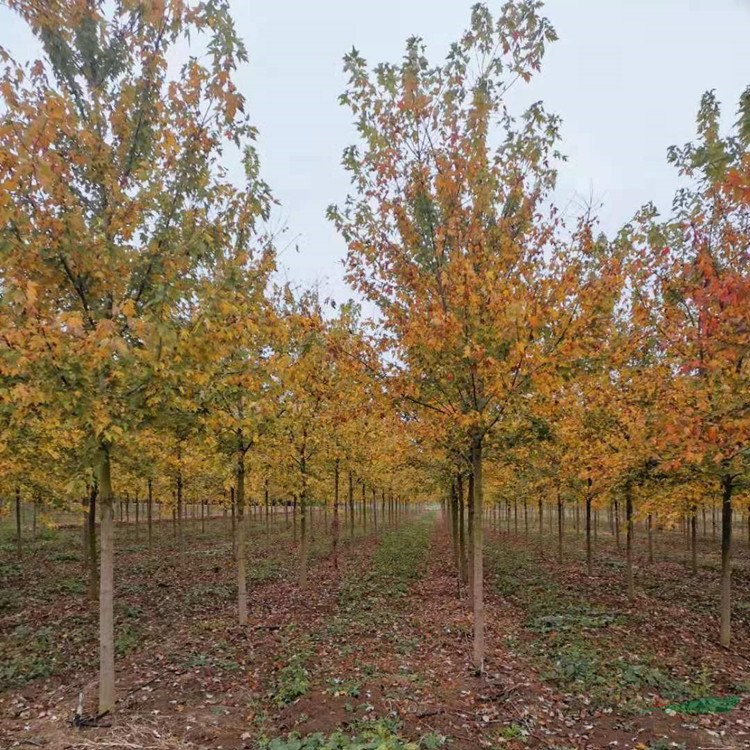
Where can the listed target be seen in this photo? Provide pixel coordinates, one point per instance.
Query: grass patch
(709, 705)
(26, 656)
(374, 735)
(579, 647)
(292, 681)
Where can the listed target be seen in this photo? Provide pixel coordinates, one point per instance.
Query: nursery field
(377, 649)
(442, 454)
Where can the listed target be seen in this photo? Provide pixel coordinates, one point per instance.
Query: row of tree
(144, 344)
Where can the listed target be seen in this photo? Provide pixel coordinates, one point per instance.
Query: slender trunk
(478, 595)
(267, 503)
(150, 510)
(179, 501)
(234, 521)
(650, 538)
(726, 560)
(461, 531)
(713, 520)
(455, 523)
(616, 521)
(559, 527)
(470, 547)
(351, 505)
(91, 540)
(303, 519)
(541, 522)
(525, 516)
(240, 544)
(106, 585)
(85, 527)
(589, 554)
(18, 521)
(335, 524)
(364, 508)
(629, 540)
(694, 541)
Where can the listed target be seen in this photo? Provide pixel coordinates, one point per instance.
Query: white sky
(626, 76)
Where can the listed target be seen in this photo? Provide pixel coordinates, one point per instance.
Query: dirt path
(192, 678)
(382, 641)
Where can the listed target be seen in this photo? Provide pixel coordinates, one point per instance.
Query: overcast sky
(626, 77)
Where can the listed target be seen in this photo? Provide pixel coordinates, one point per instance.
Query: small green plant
(432, 741)
(512, 732)
(66, 556)
(376, 735)
(292, 682)
(72, 586)
(664, 744)
(716, 705)
(126, 640)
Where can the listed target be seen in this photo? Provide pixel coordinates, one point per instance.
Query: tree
(450, 234)
(114, 199)
(694, 284)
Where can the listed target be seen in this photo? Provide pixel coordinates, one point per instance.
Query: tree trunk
(461, 531)
(559, 527)
(106, 586)
(150, 510)
(233, 500)
(541, 522)
(629, 540)
(351, 505)
(240, 544)
(616, 522)
(454, 524)
(589, 555)
(179, 501)
(364, 508)
(477, 539)
(694, 541)
(91, 541)
(303, 526)
(650, 538)
(470, 547)
(726, 561)
(335, 524)
(18, 521)
(525, 516)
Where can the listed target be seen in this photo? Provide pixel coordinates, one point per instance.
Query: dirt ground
(384, 639)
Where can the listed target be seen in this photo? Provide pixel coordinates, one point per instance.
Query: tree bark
(478, 595)
(18, 521)
(694, 541)
(335, 524)
(726, 560)
(559, 527)
(241, 552)
(650, 538)
(541, 522)
(461, 531)
(106, 586)
(150, 510)
(91, 541)
(470, 528)
(589, 551)
(629, 540)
